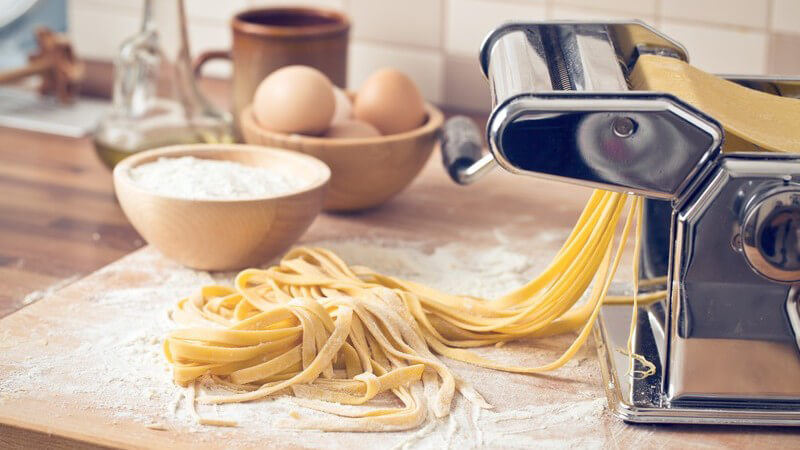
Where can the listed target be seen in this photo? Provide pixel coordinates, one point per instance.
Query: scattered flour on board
(35, 296)
(207, 179)
(117, 366)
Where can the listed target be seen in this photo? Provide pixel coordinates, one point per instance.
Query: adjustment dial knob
(771, 234)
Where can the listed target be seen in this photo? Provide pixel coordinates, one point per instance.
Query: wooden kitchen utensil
(267, 39)
(365, 172)
(224, 234)
(55, 62)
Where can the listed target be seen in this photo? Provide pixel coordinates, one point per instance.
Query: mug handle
(206, 56)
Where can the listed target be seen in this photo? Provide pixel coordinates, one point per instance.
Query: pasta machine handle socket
(461, 149)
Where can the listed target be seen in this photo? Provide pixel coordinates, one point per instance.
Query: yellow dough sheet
(752, 120)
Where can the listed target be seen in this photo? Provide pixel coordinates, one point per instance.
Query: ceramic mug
(267, 39)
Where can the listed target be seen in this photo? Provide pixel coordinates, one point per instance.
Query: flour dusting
(37, 295)
(116, 366)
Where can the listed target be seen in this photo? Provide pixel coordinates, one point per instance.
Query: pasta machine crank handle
(462, 153)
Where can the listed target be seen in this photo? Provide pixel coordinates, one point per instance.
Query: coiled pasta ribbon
(336, 336)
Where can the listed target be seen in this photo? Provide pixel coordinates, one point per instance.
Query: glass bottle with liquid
(156, 100)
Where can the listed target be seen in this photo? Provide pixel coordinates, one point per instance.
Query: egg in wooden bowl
(375, 148)
(221, 206)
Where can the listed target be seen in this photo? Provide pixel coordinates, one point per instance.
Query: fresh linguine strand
(650, 368)
(337, 336)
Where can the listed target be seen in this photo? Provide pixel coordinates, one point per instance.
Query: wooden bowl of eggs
(220, 206)
(375, 141)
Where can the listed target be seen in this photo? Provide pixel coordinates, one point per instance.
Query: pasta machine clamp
(721, 232)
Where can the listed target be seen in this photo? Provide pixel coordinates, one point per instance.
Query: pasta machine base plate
(643, 400)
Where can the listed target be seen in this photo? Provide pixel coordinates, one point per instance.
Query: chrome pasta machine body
(721, 231)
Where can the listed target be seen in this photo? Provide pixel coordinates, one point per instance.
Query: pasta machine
(721, 230)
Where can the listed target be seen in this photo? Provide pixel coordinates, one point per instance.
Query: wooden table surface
(59, 219)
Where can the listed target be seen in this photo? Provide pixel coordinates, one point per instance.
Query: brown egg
(351, 129)
(390, 101)
(344, 106)
(295, 99)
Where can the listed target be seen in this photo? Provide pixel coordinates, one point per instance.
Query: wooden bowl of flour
(222, 233)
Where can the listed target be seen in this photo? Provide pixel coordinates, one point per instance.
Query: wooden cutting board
(43, 342)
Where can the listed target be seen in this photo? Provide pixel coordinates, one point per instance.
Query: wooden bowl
(365, 172)
(224, 234)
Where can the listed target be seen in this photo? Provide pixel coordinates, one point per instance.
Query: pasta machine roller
(721, 230)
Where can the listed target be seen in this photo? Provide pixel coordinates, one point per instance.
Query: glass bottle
(156, 100)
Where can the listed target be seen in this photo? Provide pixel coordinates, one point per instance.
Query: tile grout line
(770, 50)
(591, 8)
(444, 28)
(659, 16)
(404, 46)
(100, 5)
(657, 13)
(725, 26)
(770, 9)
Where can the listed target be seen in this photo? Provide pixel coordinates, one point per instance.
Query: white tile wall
(750, 13)
(783, 58)
(124, 5)
(636, 7)
(332, 4)
(214, 10)
(407, 22)
(560, 12)
(786, 16)
(97, 28)
(469, 21)
(465, 87)
(426, 67)
(721, 50)
(437, 41)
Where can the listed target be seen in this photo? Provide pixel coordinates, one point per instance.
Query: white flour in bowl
(209, 179)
